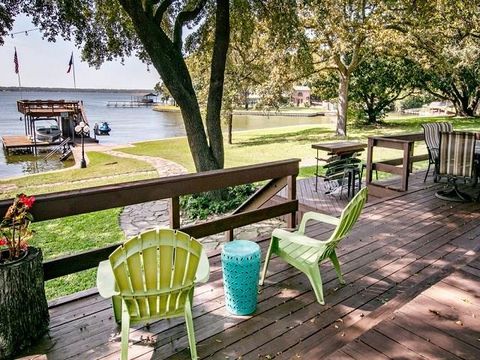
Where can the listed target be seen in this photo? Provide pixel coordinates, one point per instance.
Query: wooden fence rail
(68, 203)
(406, 143)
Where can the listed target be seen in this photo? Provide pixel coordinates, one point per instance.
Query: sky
(45, 64)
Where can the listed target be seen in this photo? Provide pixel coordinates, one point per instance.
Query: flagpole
(73, 68)
(17, 70)
(20, 86)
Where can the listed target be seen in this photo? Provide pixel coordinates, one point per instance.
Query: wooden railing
(404, 142)
(26, 106)
(68, 203)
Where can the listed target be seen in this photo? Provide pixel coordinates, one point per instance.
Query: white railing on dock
(57, 149)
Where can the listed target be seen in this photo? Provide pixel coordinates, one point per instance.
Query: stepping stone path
(140, 217)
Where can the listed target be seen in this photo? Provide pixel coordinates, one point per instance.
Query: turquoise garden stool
(241, 268)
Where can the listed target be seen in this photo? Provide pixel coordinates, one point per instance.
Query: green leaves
(200, 206)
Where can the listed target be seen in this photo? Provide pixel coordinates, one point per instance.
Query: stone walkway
(140, 217)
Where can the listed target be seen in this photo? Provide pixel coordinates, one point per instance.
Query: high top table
(342, 150)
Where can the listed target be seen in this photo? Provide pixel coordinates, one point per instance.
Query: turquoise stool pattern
(241, 269)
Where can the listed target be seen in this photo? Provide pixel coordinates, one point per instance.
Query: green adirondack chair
(306, 253)
(152, 276)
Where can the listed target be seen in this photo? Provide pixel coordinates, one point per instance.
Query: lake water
(128, 124)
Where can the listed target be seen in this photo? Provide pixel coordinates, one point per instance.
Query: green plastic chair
(152, 276)
(306, 253)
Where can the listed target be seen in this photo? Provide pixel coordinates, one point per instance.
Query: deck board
(401, 255)
(440, 323)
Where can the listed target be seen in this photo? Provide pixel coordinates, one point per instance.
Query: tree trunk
(230, 126)
(342, 105)
(462, 107)
(217, 78)
(167, 58)
(23, 306)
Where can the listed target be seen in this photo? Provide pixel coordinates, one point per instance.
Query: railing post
(406, 165)
(175, 212)
(292, 195)
(229, 235)
(368, 179)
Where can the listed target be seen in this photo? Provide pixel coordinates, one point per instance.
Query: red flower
(3, 241)
(27, 200)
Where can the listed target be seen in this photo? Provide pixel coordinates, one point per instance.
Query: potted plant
(23, 305)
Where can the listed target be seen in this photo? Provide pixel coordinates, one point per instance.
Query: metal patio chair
(432, 140)
(456, 161)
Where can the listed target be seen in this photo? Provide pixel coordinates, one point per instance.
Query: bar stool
(364, 166)
(351, 174)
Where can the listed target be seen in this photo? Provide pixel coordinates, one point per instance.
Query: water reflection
(31, 164)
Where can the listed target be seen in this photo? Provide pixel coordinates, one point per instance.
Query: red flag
(70, 64)
(15, 61)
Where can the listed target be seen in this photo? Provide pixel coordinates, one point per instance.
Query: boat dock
(129, 104)
(135, 101)
(16, 142)
(64, 114)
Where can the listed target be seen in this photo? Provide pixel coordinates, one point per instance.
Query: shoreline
(99, 147)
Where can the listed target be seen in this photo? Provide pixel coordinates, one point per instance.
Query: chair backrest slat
(155, 272)
(349, 217)
(457, 151)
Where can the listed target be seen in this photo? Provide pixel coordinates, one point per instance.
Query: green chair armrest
(297, 238)
(317, 217)
(203, 269)
(106, 280)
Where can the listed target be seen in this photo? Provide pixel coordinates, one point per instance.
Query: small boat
(48, 133)
(102, 129)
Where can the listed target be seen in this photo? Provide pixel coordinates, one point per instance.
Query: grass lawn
(274, 144)
(69, 235)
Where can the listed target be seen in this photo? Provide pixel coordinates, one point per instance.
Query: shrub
(200, 206)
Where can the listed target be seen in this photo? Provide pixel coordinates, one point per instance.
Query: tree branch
(184, 17)
(158, 16)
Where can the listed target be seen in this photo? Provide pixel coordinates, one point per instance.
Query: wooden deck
(442, 322)
(22, 141)
(333, 204)
(406, 255)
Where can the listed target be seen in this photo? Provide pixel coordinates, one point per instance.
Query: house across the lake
(301, 96)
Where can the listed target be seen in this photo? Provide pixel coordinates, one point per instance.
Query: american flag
(15, 61)
(70, 64)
